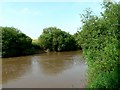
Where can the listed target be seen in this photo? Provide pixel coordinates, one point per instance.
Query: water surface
(47, 70)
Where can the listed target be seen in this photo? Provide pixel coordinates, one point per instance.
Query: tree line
(16, 43)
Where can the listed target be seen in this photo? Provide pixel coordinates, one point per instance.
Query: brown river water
(46, 70)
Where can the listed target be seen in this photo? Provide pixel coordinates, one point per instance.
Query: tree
(9, 41)
(15, 43)
(55, 39)
(99, 38)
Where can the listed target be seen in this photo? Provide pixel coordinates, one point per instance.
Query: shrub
(99, 38)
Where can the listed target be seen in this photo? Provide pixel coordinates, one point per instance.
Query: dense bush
(100, 40)
(55, 39)
(15, 43)
(78, 40)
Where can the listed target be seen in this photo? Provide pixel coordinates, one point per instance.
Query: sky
(32, 17)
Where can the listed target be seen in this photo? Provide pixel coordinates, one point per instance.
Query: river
(46, 70)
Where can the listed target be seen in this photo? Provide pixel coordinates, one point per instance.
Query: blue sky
(32, 17)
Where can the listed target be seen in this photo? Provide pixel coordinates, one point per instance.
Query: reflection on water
(48, 70)
(13, 68)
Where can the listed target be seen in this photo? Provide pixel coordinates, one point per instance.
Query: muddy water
(0, 73)
(47, 70)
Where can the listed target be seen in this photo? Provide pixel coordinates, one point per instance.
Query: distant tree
(55, 39)
(9, 41)
(15, 43)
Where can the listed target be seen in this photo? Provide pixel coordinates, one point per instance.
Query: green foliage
(55, 39)
(100, 40)
(15, 43)
(35, 45)
(77, 37)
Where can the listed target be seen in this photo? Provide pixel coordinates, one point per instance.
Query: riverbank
(37, 52)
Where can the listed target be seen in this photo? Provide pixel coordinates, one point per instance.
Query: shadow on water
(15, 67)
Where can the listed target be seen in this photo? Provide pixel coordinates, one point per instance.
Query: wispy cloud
(29, 11)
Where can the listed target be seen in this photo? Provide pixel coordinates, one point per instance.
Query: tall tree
(99, 38)
(55, 39)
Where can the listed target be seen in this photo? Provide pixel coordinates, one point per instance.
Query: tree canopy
(15, 43)
(55, 39)
(100, 41)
